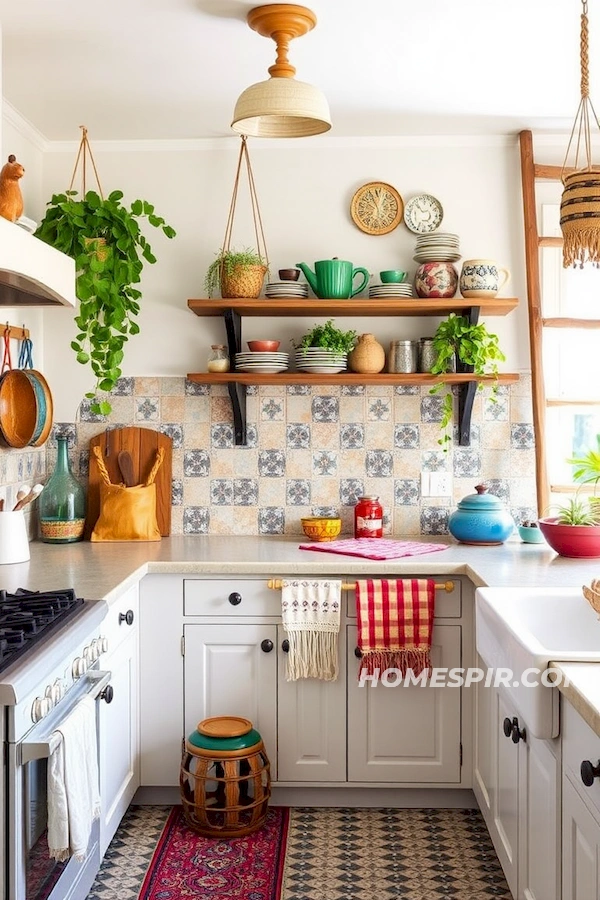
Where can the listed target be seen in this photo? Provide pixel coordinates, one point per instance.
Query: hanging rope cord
(582, 118)
(82, 154)
(261, 245)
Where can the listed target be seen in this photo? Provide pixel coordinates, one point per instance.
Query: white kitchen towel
(73, 795)
(311, 620)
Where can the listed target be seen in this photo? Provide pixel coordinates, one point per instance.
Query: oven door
(32, 874)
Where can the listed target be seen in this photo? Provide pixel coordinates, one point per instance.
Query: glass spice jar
(218, 361)
(368, 518)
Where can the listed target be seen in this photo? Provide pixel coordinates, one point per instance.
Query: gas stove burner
(28, 617)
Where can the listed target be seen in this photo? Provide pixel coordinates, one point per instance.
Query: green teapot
(333, 279)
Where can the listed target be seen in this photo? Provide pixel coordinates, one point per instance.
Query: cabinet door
(539, 821)
(119, 739)
(484, 752)
(505, 821)
(229, 670)
(406, 734)
(311, 725)
(581, 847)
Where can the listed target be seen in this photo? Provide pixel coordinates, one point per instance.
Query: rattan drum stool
(225, 780)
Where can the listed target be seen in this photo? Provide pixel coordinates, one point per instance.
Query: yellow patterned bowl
(321, 528)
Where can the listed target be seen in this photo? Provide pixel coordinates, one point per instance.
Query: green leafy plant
(104, 238)
(329, 337)
(578, 512)
(227, 260)
(457, 341)
(588, 466)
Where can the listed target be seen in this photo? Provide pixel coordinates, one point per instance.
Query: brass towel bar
(277, 583)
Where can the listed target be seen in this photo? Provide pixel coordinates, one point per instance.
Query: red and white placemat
(375, 548)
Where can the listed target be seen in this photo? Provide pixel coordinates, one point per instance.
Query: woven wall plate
(377, 208)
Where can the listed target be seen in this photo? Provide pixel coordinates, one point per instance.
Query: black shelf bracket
(466, 391)
(237, 391)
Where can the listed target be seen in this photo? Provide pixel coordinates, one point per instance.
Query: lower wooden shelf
(345, 378)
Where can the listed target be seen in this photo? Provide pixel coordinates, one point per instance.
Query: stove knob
(87, 655)
(95, 649)
(79, 667)
(52, 692)
(41, 707)
(103, 644)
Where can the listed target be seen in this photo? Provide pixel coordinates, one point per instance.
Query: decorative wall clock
(377, 208)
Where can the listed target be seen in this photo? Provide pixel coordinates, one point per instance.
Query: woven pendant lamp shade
(281, 107)
(580, 201)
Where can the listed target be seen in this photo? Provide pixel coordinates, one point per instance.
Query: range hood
(32, 273)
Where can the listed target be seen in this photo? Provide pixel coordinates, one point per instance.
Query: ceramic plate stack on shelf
(285, 289)
(402, 291)
(262, 363)
(437, 247)
(320, 361)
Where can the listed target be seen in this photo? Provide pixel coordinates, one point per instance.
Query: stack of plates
(437, 247)
(320, 361)
(390, 290)
(262, 362)
(286, 289)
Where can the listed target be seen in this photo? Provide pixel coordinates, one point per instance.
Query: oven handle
(44, 748)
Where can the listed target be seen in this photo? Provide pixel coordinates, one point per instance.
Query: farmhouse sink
(519, 629)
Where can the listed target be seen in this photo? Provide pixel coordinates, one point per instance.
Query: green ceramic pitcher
(333, 279)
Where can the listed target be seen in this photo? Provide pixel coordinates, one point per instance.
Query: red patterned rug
(245, 868)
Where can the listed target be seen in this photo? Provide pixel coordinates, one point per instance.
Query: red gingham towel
(395, 622)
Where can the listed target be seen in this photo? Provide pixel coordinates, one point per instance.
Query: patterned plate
(423, 213)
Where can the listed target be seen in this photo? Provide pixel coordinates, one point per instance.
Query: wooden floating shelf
(264, 306)
(345, 378)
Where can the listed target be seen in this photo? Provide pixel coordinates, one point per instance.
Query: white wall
(304, 189)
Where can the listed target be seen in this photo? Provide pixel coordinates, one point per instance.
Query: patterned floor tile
(342, 854)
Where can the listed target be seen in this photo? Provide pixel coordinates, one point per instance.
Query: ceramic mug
(14, 544)
(482, 278)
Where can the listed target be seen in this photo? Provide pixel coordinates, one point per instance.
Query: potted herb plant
(460, 345)
(104, 238)
(324, 348)
(575, 531)
(238, 273)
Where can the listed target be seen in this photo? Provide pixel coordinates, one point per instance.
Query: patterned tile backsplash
(311, 450)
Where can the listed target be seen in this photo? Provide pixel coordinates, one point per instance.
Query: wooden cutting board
(142, 444)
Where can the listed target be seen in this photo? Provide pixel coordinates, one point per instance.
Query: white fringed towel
(73, 795)
(311, 621)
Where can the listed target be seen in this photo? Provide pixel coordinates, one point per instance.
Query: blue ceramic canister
(480, 518)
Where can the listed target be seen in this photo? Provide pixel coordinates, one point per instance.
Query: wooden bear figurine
(11, 199)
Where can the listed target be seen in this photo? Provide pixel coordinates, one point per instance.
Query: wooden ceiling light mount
(281, 106)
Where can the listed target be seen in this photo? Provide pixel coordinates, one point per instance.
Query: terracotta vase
(436, 280)
(368, 357)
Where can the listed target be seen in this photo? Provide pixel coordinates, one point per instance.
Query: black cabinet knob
(126, 617)
(285, 646)
(266, 646)
(107, 694)
(589, 772)
(507, 727)
(518, 734)
(234, 598)
(358, 652)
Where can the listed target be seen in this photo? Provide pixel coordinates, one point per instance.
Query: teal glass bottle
(62, 502)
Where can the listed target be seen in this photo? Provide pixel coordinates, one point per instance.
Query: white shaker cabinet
(517, 785)
(312, 724)
(581, 847)
(118, 720)
(231, 670)
(406, 734)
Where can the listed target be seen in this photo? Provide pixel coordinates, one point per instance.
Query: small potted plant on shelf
(324, 348)
(104, 238)
(463, 347)
(238, 273)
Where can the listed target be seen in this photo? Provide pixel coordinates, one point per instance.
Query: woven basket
(580, 217)
(244, 281)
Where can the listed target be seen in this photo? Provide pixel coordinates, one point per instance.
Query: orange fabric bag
(127, 513)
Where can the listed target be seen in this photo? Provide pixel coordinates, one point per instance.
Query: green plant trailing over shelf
(457, 341)
(227, 261)
(104, 238)
(329, 337)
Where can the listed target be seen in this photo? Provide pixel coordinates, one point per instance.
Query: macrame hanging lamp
(580, 202)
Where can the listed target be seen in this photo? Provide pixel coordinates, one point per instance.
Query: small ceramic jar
(436, 280)
(480, 518)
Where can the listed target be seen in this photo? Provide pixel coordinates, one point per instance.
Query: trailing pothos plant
(458, 342)
(104, 238)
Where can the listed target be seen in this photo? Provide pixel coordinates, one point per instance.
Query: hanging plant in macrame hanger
(580, 202)
(104, 238)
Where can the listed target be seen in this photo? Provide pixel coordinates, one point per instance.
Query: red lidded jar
(368, 518)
